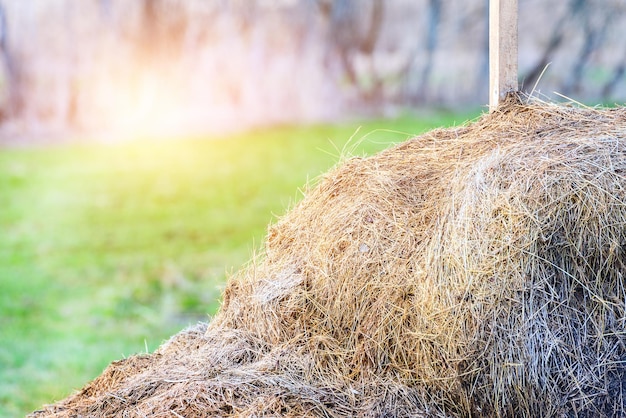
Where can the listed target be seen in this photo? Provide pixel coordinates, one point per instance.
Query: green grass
(107, 250)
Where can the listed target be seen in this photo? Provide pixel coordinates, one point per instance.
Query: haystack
(472, 271)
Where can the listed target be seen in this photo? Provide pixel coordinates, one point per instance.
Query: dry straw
(473, 271)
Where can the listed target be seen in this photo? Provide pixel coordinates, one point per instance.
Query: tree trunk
(9, 108)
(432, 37)
(618, 76)
(556, 38)
(593, 37)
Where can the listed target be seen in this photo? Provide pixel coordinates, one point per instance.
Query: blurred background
(166, 66)
(145, 145)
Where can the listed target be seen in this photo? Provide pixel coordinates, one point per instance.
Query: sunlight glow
(149, 107)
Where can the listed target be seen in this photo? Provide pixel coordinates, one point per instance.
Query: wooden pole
(502, 50)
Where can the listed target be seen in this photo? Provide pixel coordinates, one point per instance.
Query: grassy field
(107, 250)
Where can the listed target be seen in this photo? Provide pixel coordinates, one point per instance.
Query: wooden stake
(502, 50)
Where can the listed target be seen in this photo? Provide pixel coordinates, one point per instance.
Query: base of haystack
(473, 271)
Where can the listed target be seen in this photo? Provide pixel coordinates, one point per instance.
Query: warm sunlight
(151, 106)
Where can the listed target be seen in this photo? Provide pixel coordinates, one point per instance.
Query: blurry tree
(554, 42)
(618, 76)
(229, 64)
(432, 32)
(577, 37)
(163, 28)
(594, 22)
(482, 79)
(354, 29)
(7, 73)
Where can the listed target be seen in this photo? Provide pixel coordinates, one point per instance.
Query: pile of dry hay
(474, 271)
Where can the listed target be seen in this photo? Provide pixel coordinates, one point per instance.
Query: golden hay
(474, 271)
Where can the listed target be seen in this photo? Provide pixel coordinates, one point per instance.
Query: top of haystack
(472, 271)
